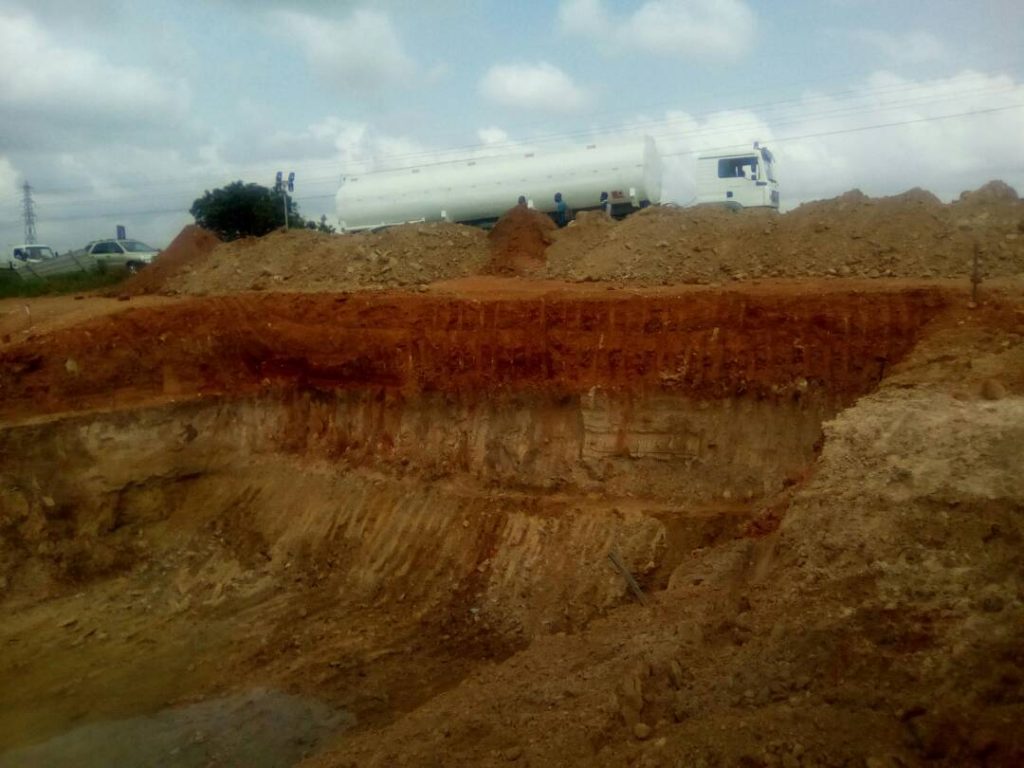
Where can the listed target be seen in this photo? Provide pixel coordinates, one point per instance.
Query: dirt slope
(880, 626)
(190, 248)
(394, 527)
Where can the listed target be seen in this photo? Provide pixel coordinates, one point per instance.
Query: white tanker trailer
(480, 190)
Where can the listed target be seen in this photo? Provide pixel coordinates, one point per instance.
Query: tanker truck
(479, 190)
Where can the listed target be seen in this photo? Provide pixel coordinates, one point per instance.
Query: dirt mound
(991, 192)
(519, 240)
(908, 235)
(307, 261)
(189, 248)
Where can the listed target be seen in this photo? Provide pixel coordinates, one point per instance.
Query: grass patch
(14, 285)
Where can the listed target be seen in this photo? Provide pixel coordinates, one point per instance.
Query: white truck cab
(740, 179)
(28, 253)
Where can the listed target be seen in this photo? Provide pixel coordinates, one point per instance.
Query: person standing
(561, 210)
(606, 204)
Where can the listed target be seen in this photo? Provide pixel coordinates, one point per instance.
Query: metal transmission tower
(28, 211)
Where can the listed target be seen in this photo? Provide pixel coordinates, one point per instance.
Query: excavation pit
(361, 499)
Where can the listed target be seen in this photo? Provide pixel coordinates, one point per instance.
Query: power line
(862, 128)
(778, 108)
(664, 124)
(1002, 68)
(712, 130)
(778, 140)
(667, 122)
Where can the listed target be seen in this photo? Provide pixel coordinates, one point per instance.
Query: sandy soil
(911, 235)
(24, 319)
(520, 520)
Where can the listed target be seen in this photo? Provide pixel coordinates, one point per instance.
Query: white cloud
(541, 87)
(492, 135)
(53, 88)
(944, 155)
(358, 54)
(9, 179)
(911, 48)
(585, 17)
(351, 146)
(702, 29)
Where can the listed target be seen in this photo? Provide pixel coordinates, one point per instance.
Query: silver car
(130, 254)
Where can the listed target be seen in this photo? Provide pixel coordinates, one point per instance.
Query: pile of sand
(188, 250)
(308, 261)
(519, 240)
(911, 235)
(907, 235)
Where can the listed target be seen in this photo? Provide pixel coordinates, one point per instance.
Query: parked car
(29, 253)
(130, 254)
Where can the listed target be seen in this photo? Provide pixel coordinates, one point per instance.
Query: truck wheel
(132, 267)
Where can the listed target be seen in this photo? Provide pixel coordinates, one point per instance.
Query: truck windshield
(737, 167)
(37, 252)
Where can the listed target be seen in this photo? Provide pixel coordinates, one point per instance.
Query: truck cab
(27, 254)
(741, 179)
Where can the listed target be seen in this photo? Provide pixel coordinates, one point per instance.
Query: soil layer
(508, 520)
(704, 345)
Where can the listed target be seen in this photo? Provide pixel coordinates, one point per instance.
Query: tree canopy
(244, 210)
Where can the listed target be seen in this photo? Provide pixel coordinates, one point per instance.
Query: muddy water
(259, 729)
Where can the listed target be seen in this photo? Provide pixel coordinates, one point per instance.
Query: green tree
(244, 210)
(323, 226)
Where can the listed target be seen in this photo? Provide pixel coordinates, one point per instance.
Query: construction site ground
(445, 498)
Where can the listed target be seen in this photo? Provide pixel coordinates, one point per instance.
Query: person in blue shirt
(561, 210)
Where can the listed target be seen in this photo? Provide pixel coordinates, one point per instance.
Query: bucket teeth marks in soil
(703, 346)
(394, 511)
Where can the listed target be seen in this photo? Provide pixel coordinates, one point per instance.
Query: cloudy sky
(123, 112)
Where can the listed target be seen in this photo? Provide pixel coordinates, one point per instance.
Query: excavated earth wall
(704, 345)
(366, 502)
(401, 528)
(698, 399)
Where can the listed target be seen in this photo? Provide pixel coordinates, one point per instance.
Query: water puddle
(258, 729)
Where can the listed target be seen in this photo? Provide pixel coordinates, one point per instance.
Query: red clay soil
(703, 345)
(191, 246)
(519, 240)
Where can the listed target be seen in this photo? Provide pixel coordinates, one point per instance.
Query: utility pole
(280, 186)
(28, 211)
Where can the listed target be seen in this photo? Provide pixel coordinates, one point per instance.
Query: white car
(130, 254)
